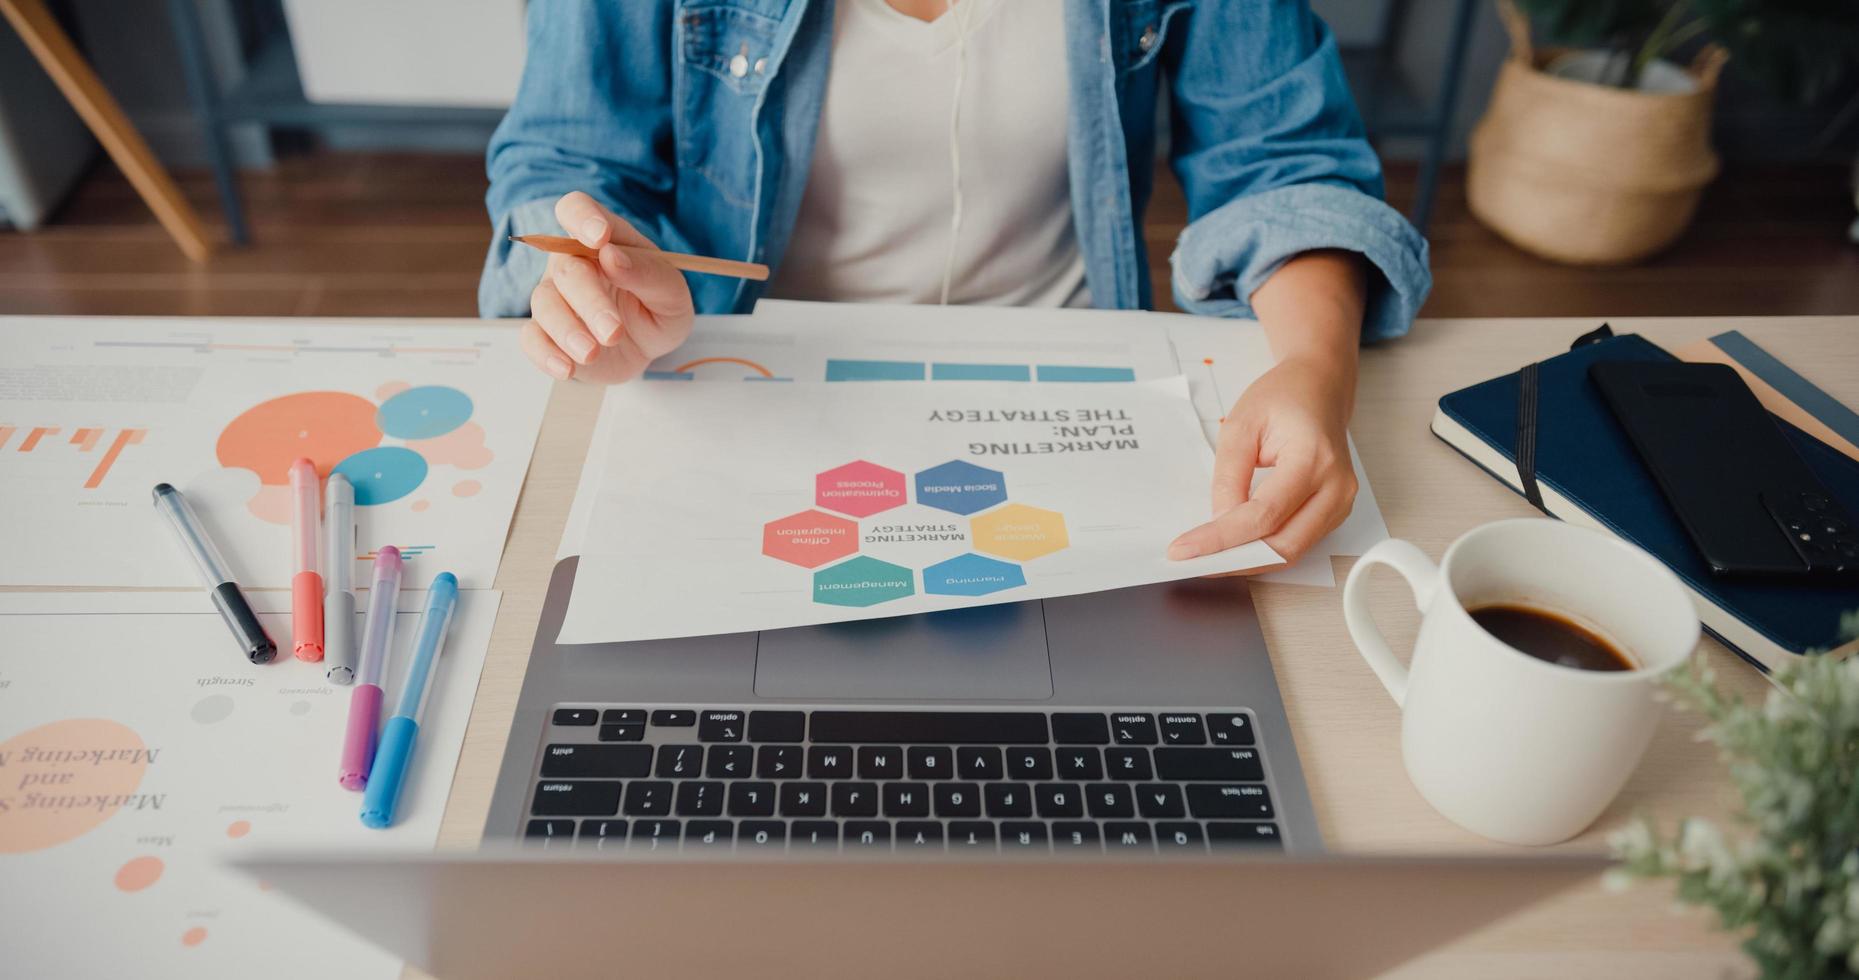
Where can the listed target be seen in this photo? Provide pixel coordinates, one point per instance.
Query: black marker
(214, 574)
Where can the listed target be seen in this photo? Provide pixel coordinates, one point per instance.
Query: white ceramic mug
(1515, 748)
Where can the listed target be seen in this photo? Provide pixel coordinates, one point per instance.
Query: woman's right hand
(604, 321)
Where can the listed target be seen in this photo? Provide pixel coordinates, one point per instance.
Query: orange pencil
(681, 260)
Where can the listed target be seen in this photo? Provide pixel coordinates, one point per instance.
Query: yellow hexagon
(1019, 532)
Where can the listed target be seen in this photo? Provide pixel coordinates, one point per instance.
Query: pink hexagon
(860, 489)
(809, 539)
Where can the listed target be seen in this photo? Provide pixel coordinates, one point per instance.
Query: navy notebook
(1589, 473)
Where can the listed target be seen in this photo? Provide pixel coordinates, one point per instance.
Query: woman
(973, 151)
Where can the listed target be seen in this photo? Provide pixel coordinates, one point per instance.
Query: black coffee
(1547, 636)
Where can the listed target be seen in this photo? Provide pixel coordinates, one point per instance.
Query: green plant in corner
(1797, 48)
(1792, 883)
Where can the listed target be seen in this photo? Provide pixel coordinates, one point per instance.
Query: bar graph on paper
(82, 441)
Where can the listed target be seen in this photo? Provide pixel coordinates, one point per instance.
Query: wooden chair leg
(81, 87)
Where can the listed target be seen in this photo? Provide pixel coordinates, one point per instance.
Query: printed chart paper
(433, 424)
(138, 749)
(765, 506)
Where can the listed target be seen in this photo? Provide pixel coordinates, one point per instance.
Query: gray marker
(338, 585)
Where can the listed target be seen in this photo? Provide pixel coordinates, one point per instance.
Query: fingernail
(607, 324)
(1181, 549)
(558, 367)
(581, 346)
(592, 230)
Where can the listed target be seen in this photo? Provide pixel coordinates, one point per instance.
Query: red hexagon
(860, 489)
(809, 539)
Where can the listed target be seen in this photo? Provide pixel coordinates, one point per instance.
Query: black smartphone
(1745, 497)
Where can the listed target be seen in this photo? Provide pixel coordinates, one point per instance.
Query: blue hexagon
(971, 575)
(960, 487)
(862, 581)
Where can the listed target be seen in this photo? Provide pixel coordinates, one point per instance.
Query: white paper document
(433, 424)
(138, 749)
(727, 508)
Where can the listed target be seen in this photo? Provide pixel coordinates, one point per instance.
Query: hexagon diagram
(859, 488)
(1019, 532)
(971, 575)
(960, 487)
(862, 581)
(810, 538)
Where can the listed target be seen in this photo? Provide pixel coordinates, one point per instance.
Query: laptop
(1142, 721)
(568, 914)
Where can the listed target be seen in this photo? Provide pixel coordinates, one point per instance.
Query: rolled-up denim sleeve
(592, 113)
(1273, 158)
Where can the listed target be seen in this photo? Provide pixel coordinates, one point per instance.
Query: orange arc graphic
(751, 365)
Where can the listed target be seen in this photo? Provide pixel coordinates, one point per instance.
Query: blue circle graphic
(423, 412)
(383, 474)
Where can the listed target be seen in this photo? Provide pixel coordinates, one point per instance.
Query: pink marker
(376, 642)
(306, 586)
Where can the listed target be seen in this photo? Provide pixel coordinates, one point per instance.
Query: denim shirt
(695, 120)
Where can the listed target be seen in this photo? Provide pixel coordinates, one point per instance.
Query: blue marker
(395, 752)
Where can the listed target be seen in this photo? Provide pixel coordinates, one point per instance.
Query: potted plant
(1597, 153)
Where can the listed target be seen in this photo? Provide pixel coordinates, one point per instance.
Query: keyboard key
(653, 835)
(930, 727)
(1236, 765)
(622, 733)
(1180, 838)
(596, 761)
(803, 799)
(674, 718)
(648, 799)
(1128, 764)
(546, 834)
(598, 835)
(880, 762)
(829, 762)
(680, 761)
(1217, 802)
(855, 799)
(1120, 836)
(867, 835)
(1160, 801)
(1075, 837)
(1059, 800)
(823, 834)
(1221, 834)
(980, 762)
(761, 835)
(719, 726)
(1133, 729)
(1109, 800)
(1183, 730)
(700, 799)
(1233, 729)
(623, 716)
(752, 799)
(564, 799)
(1080, 764)
(906, 799)
(930, 762)
(778, 761)
(1080, 729)
(730, 762)
(958, 800)
(919, 835)
(709, 835)
(971, 835)
(575, 716)
(1029, 763)
(777, 726)
(1023, 836)
(1009, 799)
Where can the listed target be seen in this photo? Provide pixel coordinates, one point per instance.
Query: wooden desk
(1347, 729)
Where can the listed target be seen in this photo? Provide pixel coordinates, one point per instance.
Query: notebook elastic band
(1526, 435)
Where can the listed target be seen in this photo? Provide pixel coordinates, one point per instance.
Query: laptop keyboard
(762, 780)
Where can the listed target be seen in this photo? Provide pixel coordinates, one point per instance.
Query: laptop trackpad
(992, 653)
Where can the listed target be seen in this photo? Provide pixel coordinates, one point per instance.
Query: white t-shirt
(874, 224)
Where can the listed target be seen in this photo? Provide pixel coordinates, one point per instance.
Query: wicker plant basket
(1584, 173)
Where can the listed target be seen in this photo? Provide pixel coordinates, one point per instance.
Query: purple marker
(376, 643)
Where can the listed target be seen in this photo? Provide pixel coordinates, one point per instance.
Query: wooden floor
(340, 234)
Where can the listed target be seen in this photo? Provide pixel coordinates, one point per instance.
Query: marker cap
(358, 743)
(382, 796)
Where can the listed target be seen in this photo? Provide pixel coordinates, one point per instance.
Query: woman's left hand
(1294, 419)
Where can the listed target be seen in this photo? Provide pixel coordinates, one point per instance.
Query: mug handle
(1422, 577)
